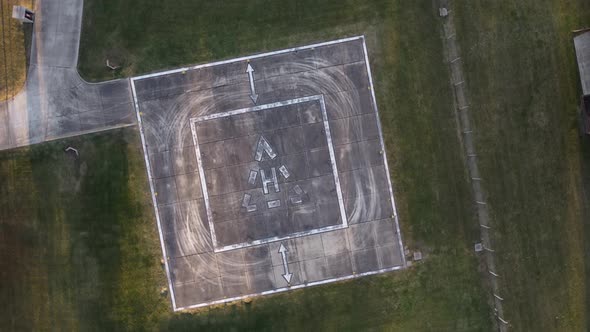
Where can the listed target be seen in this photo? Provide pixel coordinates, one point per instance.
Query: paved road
(55, 101)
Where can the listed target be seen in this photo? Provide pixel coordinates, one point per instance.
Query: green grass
(78, 243)
(79, 251)
(522, 75)
(78, 248)
(85, 241)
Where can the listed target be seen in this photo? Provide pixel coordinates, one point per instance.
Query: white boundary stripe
(257, 108)
(284, 289)
(203, 184)
(399, 234)
(244, 58)
(151, 182)
(279, 238)
(333, 161)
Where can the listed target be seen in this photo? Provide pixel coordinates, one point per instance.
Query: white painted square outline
(257, 108)
(138, 114)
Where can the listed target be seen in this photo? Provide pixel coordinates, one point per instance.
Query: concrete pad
(257, 257)
(345, 104)
(170, 218)
(230, 261)
(338, 54)
(368, 129)
(284, 64)
(254, 228)
(91, 120)
(225, 207)
(368, 207)
(329, 214)
(230, 232)
(282, 224)
(338, 265)
(304, 219)
(221, 181)
(161, 87)
(297, 167)
(115, 93)
(315, 136)
(194, 215)
(371, 152)
(335, 242)
(60, 126)
(310, 112)
(188, 269)
(185, 160)
(361, 236)
(261, 175)
(166, 190)
(279, 271)
(235, 284)
(309, 247)
(119, 115)
(365, 260)
(319, 162)
(161, 164)
(346, 130)
(202, 290)
(215, 130)
(213, 154)
(239, 150)
(389, 256)
(278, 118)
(385, 232)
(287, 141)
(363, 182)
(62, 103)
(261, 279)
(313, 269)
(189, 186)
(4, 128)
(292, 255)
(347, 157)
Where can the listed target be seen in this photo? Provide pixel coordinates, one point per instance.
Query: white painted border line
(151, 182)
(333, 161)
(284, 289)
(399, 234)
(253, 56)
(279, 238)
(257, 108)
(204, 189)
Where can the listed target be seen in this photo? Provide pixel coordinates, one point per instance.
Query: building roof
(582, 45)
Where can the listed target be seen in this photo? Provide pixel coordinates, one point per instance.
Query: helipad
(268, 173)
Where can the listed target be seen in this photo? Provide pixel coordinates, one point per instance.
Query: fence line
(462, 109)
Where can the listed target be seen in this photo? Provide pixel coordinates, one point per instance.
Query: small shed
(582, 46)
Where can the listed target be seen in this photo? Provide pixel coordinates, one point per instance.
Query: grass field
(79, 251)
(13, 64)
(83, 252)
(523, 80)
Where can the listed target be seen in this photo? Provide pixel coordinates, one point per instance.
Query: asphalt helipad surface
(268, 173)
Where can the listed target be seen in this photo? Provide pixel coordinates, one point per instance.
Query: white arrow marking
(287, 275)
(253, 94)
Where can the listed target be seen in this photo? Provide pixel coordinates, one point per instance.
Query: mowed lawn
(83, 239)
(522, 77)
(79, 251)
